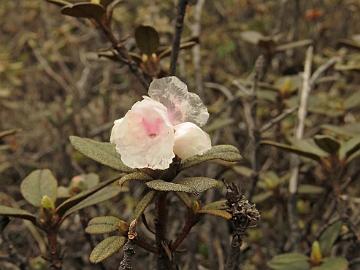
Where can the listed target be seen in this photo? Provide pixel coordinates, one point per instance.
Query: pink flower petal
(144, 137)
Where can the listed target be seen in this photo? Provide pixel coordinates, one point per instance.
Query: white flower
(144, 137)
(190, 140)
(157, 128)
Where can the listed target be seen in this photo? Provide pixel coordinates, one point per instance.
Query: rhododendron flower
(161, 126)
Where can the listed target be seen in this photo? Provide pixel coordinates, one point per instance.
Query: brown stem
(54, 256)
(163, 260)
(177, 37)
(192, 219)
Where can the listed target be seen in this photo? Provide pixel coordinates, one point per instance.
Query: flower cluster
(165, 124)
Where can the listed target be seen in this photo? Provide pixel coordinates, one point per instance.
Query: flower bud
(190, 140)
(47, 203)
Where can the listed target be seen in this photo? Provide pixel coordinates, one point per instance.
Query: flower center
(152, 127)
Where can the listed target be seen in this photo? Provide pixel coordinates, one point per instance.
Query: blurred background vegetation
(53, 84)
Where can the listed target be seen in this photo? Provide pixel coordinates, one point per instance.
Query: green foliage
(84, 10)
(216, 205)
(143, 203)
(73, 201)
(215, 212)
(293, 261)
(310, 189)
(135, 176)
(161, 185)
(101, 152)
(226, 153)
(38, 184)
(311, 153)
(106, 224)
(16, 213)
(329, 236)
(336, 263)
(147, 39)
(200, 184)
(106, 248)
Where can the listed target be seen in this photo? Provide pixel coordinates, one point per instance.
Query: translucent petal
(145, 137)
(182, 105)
(190, 140)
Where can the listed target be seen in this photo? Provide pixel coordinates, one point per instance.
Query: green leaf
(161, 185)
(327, 143)
(263, 196)
(147, 39)
(214, 212)
(227, 153)
(143, 204)
(106, 224)
(310, 189)
(101, 152)
(38, 184)
(287, 261)
(299, 151)
(69, 203)
(336, 263)
(59, 3)
(328, 237)
(84, 10)
(106, 248)
(353, 156)
(349, 147)
(138, 176)
(102, 195)
(217, 205)
(348, 130)
(200, 184)
(16, 213)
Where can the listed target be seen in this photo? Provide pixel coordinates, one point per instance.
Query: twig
(196, 50)
(191, 220)
(293, 183)
(129, 250)
(250, 113)
(277, 119)
(177, 37)
(123, 55)
(54, 252)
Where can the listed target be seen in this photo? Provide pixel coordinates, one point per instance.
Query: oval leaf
(227, 153)
(349, 147)
(219, 213)
(16, 213)
(147, 39)
(200, 184)
(310, 189)
(100, 196)
(161, 185)
(106, 224)
(329, 236)
(84, 10)
(293, 261)
(293, 149)
(101, 152)
(139, 176)
(106, 248)
(143, 204)
(69, 203)
(38, 184)
(336, 263)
